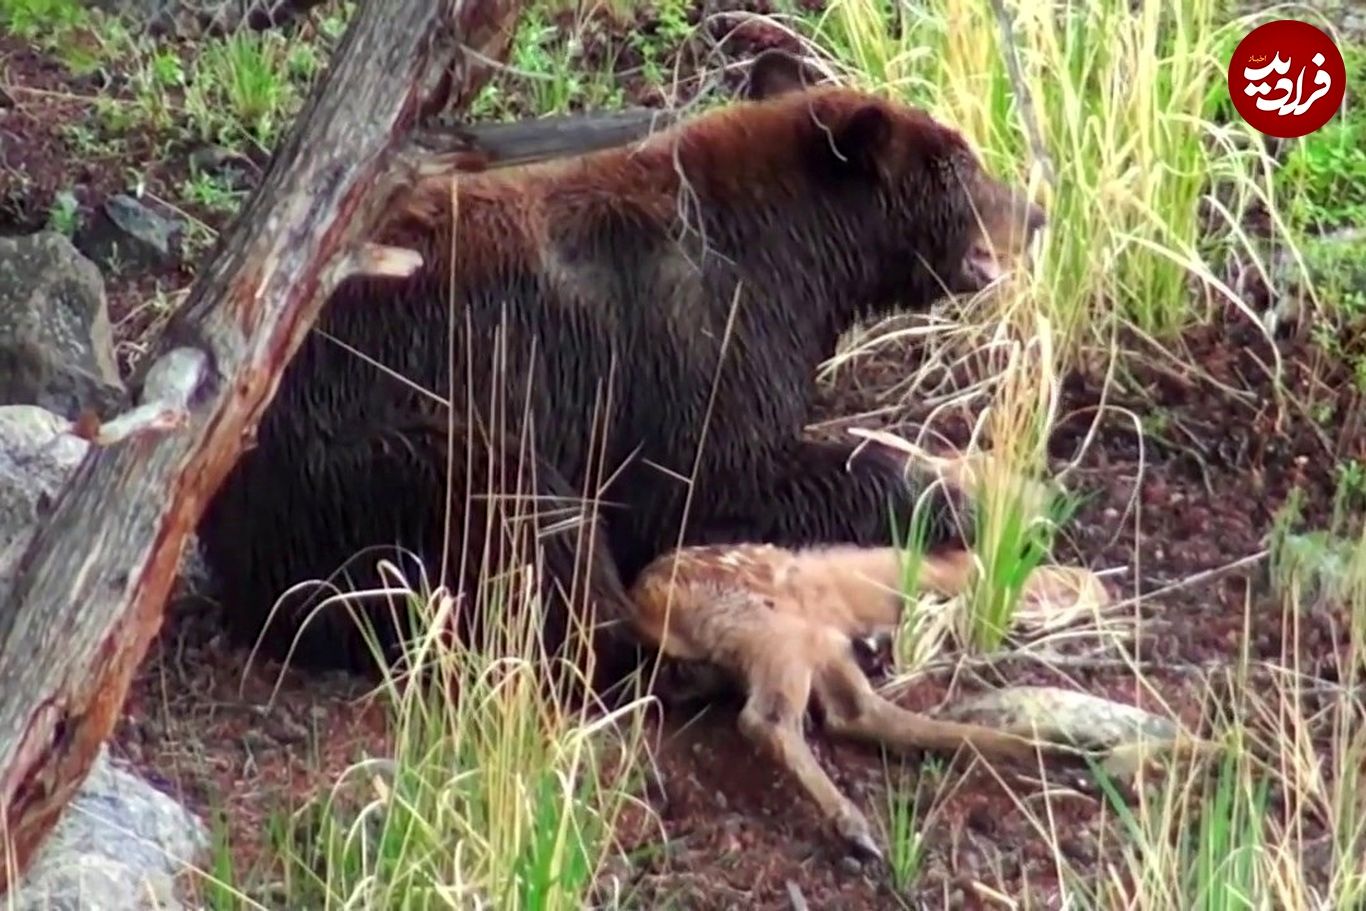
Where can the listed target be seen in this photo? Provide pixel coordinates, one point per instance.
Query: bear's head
(927, 216)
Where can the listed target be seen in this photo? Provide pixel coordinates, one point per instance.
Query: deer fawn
(784, 623)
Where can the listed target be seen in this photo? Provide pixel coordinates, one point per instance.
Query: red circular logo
(1287, 78)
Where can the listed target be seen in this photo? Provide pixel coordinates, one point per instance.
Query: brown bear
(644, 321)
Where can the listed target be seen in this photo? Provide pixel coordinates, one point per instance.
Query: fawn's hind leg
(779, 683)
(852, 708)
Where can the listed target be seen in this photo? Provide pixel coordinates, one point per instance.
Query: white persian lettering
(1283, 104)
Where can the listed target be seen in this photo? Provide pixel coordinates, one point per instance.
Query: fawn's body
(783, 623)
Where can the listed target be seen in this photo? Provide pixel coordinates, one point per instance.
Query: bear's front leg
(833, 493)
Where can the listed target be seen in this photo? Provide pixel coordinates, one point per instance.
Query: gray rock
(1347, 16)
(125, 234)
(56, 345)
(120, 842)
(1130, 738)
(119, 846)
(1354, 24)
(36, 456)
(1061, 716)
(237, 170)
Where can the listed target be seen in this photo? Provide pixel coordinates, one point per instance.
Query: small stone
(126, 234)
(1078, 850)
(235, 169)
(981, 819)
(935, 873)
(258, 741)
(286, 730)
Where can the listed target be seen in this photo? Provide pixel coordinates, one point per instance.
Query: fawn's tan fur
(782, 624)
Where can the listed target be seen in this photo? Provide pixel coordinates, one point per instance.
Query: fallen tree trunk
(92, 586)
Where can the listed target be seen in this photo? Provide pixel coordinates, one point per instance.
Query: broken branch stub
(92, 586)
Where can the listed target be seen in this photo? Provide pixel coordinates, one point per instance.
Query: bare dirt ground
(1163, 508)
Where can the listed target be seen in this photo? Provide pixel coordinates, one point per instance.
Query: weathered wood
(470, 147)
(93, 584)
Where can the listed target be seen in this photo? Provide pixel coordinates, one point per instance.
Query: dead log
(92, 586)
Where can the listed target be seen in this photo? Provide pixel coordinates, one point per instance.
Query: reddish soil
(201, 722)
(742, 814)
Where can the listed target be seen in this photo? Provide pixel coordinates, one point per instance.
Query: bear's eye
(959, 168)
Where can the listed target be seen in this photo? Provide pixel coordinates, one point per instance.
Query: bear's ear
(774, 72)
(861, 141)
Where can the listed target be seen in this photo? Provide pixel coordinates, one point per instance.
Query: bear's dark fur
(599, 297)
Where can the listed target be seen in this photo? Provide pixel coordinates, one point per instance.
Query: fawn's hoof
(864, 848)
(854, 829)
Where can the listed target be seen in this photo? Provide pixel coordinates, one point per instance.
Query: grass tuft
(1126, 103)
(500, 790)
